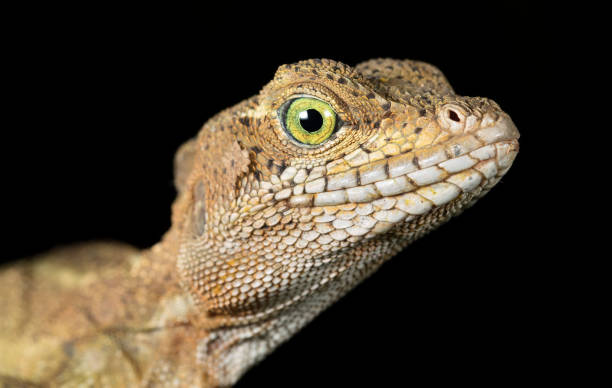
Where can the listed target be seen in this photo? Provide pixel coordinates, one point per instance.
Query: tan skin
(267, 231)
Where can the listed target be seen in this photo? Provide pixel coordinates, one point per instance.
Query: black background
(99, 101)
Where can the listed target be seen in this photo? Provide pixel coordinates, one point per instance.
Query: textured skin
(265, 233)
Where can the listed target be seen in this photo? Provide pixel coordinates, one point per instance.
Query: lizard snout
(490, 126)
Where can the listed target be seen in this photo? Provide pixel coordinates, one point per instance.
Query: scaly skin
(266, 233)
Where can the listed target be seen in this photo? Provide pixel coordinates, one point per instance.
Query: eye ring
(308, 121)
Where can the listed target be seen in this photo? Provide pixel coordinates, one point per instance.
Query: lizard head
(292, 197)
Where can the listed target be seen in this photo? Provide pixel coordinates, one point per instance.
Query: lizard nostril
(453, 115)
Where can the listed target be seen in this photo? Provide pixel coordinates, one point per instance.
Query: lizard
(285, 202)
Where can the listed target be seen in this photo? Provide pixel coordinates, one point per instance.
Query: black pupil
(311, 120)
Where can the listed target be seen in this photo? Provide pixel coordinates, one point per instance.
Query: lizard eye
(308, 120)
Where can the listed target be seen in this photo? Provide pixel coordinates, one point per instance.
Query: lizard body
(285, 202)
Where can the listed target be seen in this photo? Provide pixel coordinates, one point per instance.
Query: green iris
(309, 121)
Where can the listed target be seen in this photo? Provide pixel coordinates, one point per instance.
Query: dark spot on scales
(457, 150)
(256, 149)
(282, 166)
(371, 96)
(341, 81)
(418, 130)
(367, 151)
(330, 77)
(386, 105)
(244, 120)
(270, 164)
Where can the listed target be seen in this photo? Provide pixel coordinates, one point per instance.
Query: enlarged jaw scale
(292, 197)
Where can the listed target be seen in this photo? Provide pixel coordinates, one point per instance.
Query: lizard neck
(233, 346)
(237, 339)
